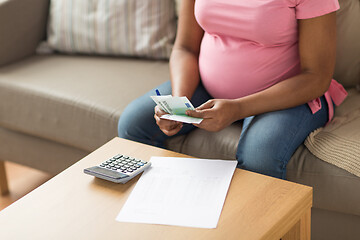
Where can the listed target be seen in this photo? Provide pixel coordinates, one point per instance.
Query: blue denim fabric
(267, 141)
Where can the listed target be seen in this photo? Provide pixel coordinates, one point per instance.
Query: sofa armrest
(22, 27)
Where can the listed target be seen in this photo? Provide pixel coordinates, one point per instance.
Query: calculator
(119, 169)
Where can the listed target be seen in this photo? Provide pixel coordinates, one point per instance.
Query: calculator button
(140, 164)
(129, 170)
(123, 168)
(118, 156)
(133, 168)
(102, 165)
(108, 167)
(114, 168)
(111, 164)
(125, 157)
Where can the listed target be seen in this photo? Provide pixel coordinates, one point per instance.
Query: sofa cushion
(204, 144)
(38, 153)
(113, 27)
(73, 100)
(22, 26)
(334, 188)
(347, 69)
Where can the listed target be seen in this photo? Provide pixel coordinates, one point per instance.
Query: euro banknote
(176, 108)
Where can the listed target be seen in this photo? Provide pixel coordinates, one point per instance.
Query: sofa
(55, 108)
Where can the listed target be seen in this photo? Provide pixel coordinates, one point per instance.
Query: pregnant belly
(232, 70)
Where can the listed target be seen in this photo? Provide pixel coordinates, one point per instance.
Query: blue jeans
(267, 141)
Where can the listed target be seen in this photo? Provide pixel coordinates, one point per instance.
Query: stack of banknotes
(176, 108)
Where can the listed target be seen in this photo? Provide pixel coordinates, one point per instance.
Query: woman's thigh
(137, 121)
(269, 140)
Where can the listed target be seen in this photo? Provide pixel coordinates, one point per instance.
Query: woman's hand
(217, 114)
(168, 127)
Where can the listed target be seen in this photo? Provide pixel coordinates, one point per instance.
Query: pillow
(177, 2)
(347, 69)
(143, 28)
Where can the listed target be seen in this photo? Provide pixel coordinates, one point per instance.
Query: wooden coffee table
(73, 205)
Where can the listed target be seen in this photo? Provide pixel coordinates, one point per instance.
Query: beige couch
(55, 109)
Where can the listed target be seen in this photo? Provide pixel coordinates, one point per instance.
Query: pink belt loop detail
(315, 105)
(336, 93)
(330, 105)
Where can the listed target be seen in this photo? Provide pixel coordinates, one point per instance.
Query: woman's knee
(263, 149)
(270, 139)
(135, 119)
(263, 158)
(127, 120)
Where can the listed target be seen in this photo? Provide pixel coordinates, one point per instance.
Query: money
(176, 108)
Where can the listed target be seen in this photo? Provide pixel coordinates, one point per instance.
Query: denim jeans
(267, 141)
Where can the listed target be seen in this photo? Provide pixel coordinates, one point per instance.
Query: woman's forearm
(291, 92)
(184, 72)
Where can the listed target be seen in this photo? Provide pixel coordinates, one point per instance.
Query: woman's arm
(317, 47)
(184, 68)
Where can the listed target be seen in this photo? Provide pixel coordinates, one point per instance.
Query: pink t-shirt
(249, 45)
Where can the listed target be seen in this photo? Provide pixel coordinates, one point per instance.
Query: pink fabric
(250, 45)
(336, 94)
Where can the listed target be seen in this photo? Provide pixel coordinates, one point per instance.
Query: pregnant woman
(268, 63)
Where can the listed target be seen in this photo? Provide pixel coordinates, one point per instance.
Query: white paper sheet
(180, 191)
(181, 118)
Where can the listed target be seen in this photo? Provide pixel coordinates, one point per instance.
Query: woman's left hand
(217, 114)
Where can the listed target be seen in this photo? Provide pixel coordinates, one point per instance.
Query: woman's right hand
(168, 127)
